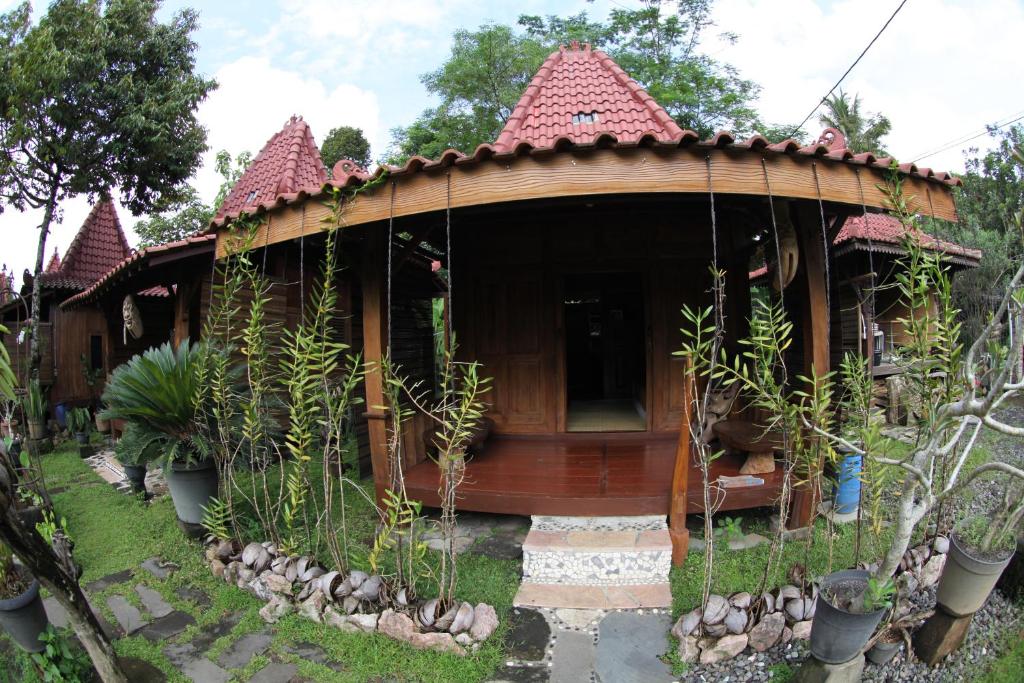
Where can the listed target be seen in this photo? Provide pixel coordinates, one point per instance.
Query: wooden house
(569, 246)
(75, 344)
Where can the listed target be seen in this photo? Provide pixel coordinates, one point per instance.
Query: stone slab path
(586, 646)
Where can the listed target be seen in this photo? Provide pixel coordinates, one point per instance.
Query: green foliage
(188, 215)
(58, 662)
(730, 528)
(400, 514)
(79, 420)
(863, 131)
(91, 375)
(139, 445)
(157, 391)
(345, 142)
(879, 594)
(217, 519)
(35, 401)
(781, 673)
(49, 526)
(657, 44)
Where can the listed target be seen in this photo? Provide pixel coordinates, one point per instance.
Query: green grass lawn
(113, 531)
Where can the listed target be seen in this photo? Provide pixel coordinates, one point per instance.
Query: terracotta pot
(102, 426)
(967, 580)
(24, 618)
(36, 429)
(837, 636)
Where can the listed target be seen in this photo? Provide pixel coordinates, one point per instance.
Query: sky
(940, 72)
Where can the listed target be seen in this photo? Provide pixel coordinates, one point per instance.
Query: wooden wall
(74, 330)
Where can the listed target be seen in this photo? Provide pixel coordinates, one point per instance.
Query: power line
(855, 62)
(959, 141)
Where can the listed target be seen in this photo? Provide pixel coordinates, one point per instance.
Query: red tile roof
(579, 93)
(137, 261)
(290, 160)
(881, 227)
(54, 265)
(98, 246)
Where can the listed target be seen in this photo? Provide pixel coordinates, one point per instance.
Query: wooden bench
(759, 442)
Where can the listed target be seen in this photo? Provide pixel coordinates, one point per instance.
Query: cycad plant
(156, 392)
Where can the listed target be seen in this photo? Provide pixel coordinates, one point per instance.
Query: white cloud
(940, 70)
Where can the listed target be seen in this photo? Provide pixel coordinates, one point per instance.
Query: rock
(802, 630)
(688, 649)
(724, 648)
(940, 545)
(789, 592)
(277, 583)
(686, 624)
(463, 619)
(275, 609)
(716, 609)
(767, 632)
(787, 635)
(800, 610)
(908, 582)
(741, 600)
(465, 640)
(577, 619)
(439, 642)
(245, 576)
(396, 625)
(211, 553)
(364, 622)
(332, 617)
(931, 572)
(217, 567)
(231, 572)
(715, 630)
(485, 621)
(313, 606)
(736, 620)
(259, 588)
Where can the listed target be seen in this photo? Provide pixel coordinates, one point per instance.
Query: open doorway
(604, 346)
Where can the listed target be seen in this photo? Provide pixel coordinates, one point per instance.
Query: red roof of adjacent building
(98, 246)
(290, 160)
(54, 265)
(881, 227)
(578, 94)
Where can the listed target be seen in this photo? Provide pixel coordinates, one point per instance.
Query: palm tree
(863, 131)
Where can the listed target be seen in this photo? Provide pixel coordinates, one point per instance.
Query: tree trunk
(53, 573)
(35, 354)
(906, 519)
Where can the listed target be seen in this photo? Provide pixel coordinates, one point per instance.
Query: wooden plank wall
(73, 332)
(19, 352)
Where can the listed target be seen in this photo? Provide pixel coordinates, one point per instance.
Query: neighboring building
(75, 344)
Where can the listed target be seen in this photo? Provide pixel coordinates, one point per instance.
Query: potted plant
(980, 548)
(850, 605)
(21, 609)
(79, 422)
(102, 423)
(135, 450)
(157, 393)
(35, 410)
(887, 644)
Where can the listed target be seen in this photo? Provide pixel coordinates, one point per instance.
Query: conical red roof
(99, 246)
(578, 94)
(289, 161)
(54, 265)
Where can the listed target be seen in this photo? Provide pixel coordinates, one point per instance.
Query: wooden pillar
(183, 310)
(375, 323)
(815, 333)
(677, 530)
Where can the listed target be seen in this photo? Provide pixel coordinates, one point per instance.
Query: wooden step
(594, 597)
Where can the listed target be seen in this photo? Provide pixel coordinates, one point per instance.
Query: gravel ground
(992, 625)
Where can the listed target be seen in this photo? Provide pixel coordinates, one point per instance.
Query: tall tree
(657, 44)
(190, 215)
(345, 142)
(95, 96)
(864, 131)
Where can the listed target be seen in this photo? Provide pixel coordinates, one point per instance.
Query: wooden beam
(421, 233)
(677, 530)
(610, 172)
(183, 309)
(375, 323)
(816, 335)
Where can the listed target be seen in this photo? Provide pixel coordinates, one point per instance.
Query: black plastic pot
(837, 636)
(24, 618)
(82, 438)
(967, 580)
(192, 487)
(136, 475)
(882, 652)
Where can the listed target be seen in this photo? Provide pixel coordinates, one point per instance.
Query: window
(583, 117)
(95, 352)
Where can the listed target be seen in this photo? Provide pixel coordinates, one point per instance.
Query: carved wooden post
(681, 478)
(375, 322)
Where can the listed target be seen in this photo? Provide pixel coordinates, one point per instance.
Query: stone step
(596, 562)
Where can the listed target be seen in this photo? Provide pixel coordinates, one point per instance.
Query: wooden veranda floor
(582, 474)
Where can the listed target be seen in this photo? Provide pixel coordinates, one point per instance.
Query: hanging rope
(302, 268)
(391, 229)
(871, 251)
(825, 245)
(448, 253)
(775, 231)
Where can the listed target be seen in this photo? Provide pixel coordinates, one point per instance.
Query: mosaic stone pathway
(596, 563)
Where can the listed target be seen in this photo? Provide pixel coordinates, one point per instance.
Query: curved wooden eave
(609, 172)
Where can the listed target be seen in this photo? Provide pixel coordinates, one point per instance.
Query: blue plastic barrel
(848, 488)
(60, 412)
